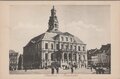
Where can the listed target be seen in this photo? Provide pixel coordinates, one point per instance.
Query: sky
(90, 23)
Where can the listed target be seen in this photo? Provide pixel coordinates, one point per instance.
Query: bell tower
(53, 22)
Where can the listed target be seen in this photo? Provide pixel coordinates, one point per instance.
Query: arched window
(83, 48)
(51, 46)
(78, 48)
(71, 39)
(65, 56)
(46, 45)
(66, 38)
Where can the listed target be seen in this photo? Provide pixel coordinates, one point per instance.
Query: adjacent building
(100, 57)
(13, 60)
(20, 62)
(54, 46)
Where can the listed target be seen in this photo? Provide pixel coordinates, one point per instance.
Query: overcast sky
(90, 23)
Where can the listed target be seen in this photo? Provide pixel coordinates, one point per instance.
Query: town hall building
(54, 46)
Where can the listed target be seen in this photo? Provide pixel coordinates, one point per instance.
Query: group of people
(98, 69)
(57, 70)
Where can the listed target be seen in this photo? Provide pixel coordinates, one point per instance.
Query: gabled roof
(105, 47)
(93, 51)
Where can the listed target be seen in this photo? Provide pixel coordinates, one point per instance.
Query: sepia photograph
(60, 39)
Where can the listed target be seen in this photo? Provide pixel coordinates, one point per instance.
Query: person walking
(72, 70)
(57, 69)
(91, 68)
(25, 69)
(52, 70)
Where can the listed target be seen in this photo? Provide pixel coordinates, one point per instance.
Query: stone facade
(54, 46)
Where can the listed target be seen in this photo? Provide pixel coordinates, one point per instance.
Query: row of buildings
(95, 57)
(15, 60)
(100, 57)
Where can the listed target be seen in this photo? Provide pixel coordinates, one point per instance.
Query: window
(84, 57)
(46, 56)
(46, 45)
(62, 38)
(51, 46)
(71, 39)
(66, 38)
(78, 48)
(70, 46)
(75, 47)
(57, 46)
(65, 56)
(61, 46)
(83, 48)
(79, 57)
(66, 46)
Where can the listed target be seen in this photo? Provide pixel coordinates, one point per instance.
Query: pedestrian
(25, 69)
(72, 70)
(52, 70)
(57, 69)
(97, 70)
(91, 68)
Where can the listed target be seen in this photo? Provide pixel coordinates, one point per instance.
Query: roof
(43, 36)
(77, 40)
(12, 52)
(93, 51)
(51, 35)
(106, 48)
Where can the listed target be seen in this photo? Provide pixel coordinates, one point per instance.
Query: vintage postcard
(57, 39)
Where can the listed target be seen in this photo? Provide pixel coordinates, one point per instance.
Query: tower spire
(53, 22)
(53, 6)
